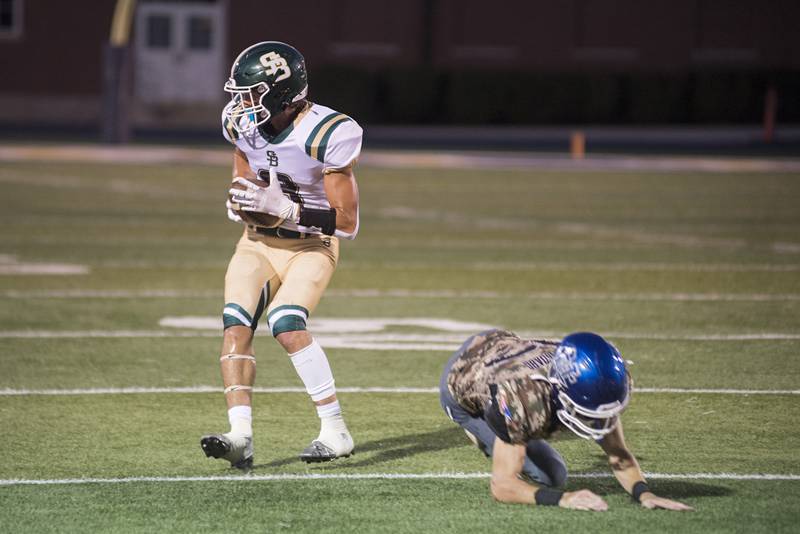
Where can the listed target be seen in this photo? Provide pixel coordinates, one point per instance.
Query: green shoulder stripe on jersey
(317, 141)
(232, 133)
(323, 144)
(317, 128)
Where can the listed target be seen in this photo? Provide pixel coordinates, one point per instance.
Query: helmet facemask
(586, 423)
(246, 110)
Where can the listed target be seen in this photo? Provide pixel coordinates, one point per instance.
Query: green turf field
(695, 276)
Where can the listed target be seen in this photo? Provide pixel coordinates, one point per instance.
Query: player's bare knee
(239, 326)
(499, 490)
(294, 341)
(237, 340)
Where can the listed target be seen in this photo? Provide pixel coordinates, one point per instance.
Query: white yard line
(38, 269)
(702, 337)
(374, 476)
(67, 334)
(413, 294)
(437, 342)
(9, 392)
(199, 389)
(605, 235)
(554, 295)
(491, 266)
(110, 294)
(720, 391)
(629, 266)
(131, 155)
(10, 265)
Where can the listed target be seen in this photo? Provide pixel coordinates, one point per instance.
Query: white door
(180, 52)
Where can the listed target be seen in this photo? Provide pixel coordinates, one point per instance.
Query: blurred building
(417, 61)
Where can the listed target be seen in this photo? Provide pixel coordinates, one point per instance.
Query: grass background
(577, 236)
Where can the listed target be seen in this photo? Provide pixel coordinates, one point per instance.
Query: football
(252, 217)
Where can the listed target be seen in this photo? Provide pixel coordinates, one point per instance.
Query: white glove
(268, 199)
(232, 214)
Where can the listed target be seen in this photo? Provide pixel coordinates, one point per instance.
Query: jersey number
(288, 186)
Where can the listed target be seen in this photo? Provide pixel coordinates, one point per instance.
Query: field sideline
(111, 277)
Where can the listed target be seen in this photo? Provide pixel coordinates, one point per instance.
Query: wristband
(637, 490)
(547, 497)
(325, 219)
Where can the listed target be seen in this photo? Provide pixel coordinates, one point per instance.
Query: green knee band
(288, 323)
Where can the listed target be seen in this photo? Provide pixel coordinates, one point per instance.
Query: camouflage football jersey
(503, 379)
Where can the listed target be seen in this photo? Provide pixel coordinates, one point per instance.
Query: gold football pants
(285, 277)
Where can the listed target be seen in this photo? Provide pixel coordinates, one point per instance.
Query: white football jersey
(320, 139)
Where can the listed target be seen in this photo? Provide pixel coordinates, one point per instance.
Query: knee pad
(236, 315)
(287, 318)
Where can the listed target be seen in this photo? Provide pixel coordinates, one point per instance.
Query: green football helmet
(265, 78)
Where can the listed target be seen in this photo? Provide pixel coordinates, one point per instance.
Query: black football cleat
(237, 450)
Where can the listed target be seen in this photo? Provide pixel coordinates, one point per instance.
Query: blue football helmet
(592, 384)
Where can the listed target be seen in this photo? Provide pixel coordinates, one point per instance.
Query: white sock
(314, 370)
(330, 418)
(333, 430)
(241, 419)
(332, 409)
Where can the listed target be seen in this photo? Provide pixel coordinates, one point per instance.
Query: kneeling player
(510, 394)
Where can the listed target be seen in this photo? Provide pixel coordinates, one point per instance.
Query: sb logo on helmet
(274, 63)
